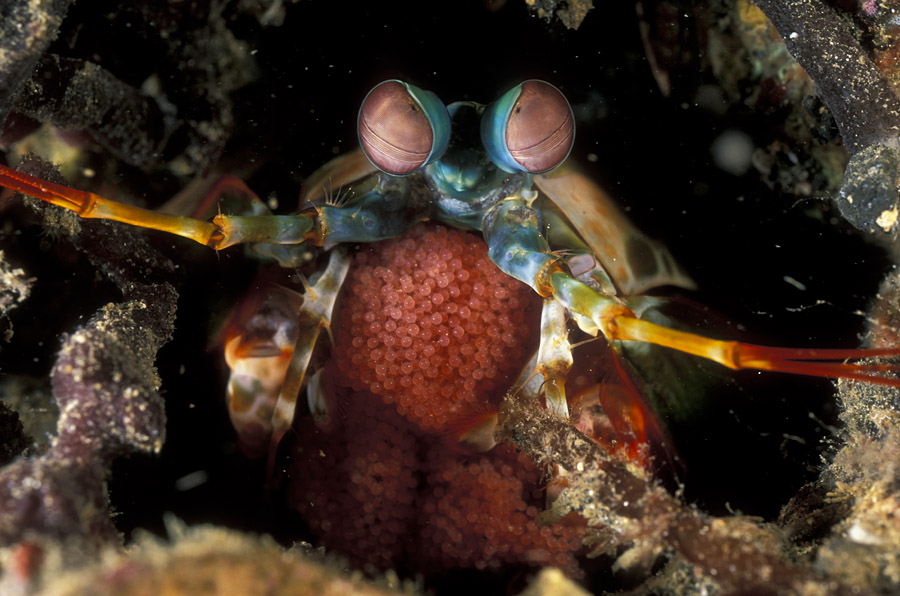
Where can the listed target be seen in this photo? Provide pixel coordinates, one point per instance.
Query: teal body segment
(515, 242)
(380, 211)
(267, 229)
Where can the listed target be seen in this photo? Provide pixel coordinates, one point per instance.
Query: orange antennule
(736, 355)
(91, 206)
(222, 232)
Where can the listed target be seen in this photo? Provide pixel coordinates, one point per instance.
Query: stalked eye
(529, 129)
(402, 128)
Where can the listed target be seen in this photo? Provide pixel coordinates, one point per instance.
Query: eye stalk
(402, 128)
(530, 129)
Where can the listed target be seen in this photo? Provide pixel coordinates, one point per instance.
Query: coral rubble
(55, 506)
(212, 561)
(860, 96)
(15, 287)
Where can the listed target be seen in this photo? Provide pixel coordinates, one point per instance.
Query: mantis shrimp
(499, 170)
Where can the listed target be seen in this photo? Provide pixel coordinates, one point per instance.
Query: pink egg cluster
(481, 512)
(430, 324)
(376, 490)
(428, 332)
(357, 483)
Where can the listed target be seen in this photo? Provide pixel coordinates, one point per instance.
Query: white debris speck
(888, 219)
(790, 280)
(732, 151)
(860, 535)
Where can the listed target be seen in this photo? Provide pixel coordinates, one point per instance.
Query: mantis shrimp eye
(530, 129)
(402, 128)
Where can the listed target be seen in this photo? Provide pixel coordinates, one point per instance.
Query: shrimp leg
(516, 245)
